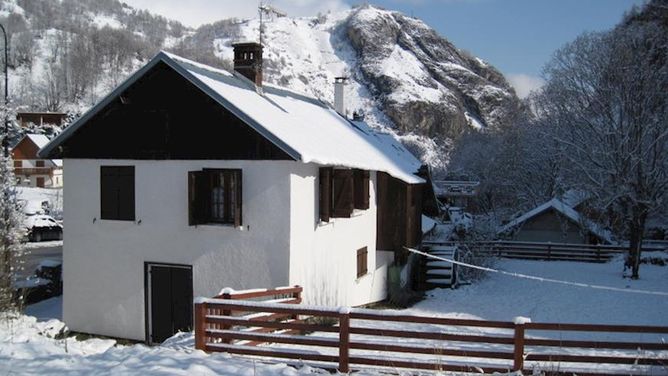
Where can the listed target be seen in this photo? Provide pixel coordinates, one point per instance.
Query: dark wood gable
(164, 116)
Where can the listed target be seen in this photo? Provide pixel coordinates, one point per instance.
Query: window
(18, 164)
(214, 196)
(362, 256)
(39, 163)
(117, 193)
(342, 191)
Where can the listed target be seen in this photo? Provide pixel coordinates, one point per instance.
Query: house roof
(566, 211)
(305, 128)
(40, 141)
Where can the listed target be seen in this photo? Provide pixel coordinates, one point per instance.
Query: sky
(516, 36)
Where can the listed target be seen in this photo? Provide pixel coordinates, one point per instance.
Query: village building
(187, 179)
(25, 119)
(555, 221)
(30, 169)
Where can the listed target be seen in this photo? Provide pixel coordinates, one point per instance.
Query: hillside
(404, 77)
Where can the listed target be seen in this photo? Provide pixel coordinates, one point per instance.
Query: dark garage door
(169, 300)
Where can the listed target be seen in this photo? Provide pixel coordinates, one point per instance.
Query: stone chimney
(339, 95)
(248, 61)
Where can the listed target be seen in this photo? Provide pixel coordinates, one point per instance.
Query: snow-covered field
(34, 197)
(27, 346)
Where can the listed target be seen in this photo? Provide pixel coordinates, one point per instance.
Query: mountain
(403, 77)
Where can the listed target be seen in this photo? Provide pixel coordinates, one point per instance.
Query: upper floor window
(214, 196)
(117, 193)
(39, 163)
(342, 191)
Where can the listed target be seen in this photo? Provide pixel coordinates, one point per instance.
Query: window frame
(201, 200)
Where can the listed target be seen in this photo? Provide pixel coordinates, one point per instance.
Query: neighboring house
(456, 192)
(40, 118)
(556, 222)
(187, 179)
(30, 169)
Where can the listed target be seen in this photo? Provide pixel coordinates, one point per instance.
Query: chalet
(186, 179)
(25, 119)
(555, 221)
(30, 169)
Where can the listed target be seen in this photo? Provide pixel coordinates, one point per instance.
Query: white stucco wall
(104, 260)
(323, 256)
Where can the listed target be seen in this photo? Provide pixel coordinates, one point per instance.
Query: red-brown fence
(344, 335)
(545, 250)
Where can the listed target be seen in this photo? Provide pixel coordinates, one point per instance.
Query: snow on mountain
(403, 77)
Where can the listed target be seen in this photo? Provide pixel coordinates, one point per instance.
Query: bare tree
(605, 96)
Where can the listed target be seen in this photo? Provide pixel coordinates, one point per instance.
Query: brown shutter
(342, 187)
(126, 193)
(362, 256)
(325, 193)
(108, 192)
(361, 189)
(198, 197)
(237, 192)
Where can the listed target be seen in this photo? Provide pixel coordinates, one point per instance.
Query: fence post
(200, 326)
(226, 312)
(518, 360)
(598, 252)
(297, 295)
(344, 339)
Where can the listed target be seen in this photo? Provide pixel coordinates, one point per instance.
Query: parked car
(41, 227)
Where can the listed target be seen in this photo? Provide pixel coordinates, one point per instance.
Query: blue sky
(516, 36)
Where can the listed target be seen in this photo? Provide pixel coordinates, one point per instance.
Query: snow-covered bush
(10, 236)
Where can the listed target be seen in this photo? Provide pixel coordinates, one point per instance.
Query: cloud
(198, 12)
(524, 83)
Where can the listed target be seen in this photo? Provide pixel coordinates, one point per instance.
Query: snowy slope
(405, 78)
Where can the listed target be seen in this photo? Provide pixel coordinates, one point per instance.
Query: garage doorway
(169, 300)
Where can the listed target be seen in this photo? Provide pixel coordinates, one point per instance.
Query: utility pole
(5, 139)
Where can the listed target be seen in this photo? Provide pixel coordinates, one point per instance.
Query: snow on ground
(27, 345)
(35, 196)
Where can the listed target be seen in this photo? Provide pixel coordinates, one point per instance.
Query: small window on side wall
(117, 193)
(362, 256)
(214, 196)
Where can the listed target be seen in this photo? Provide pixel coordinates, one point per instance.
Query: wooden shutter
(237, 192)
(198, 197)
(117, 193)
(361, 189)
(342, 188)
(325, 193)
(362, 256)
(108, 195)
(126, 193)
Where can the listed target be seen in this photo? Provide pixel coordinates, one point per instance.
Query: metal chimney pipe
(339, 95)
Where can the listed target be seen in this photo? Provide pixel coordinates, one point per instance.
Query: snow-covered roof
(563, 209)
(38, 139)
(574, 197)
(305, 128)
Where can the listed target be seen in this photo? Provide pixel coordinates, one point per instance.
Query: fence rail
(547, 250)
(345, 334)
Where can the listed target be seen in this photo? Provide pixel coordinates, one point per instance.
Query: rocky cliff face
(422, 81)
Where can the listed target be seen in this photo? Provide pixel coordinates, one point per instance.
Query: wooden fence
(544, 250)
(347, 336)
